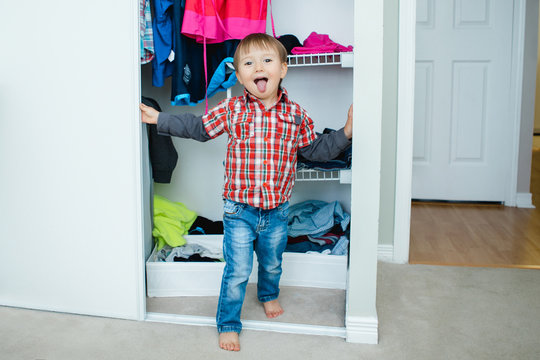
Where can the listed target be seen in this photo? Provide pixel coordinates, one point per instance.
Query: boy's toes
(229, 341)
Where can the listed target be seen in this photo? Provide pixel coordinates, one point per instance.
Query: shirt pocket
(288, 127)
(243, 126)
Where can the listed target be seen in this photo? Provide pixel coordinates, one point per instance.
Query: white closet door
(462, 135)
(70, 188)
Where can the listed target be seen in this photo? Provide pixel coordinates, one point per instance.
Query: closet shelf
(204, 278)
(345, 59)
(344, 176)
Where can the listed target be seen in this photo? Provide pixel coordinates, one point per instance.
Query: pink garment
(214, 21)
(320, 43)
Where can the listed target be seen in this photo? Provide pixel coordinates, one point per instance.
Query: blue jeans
(247, 228)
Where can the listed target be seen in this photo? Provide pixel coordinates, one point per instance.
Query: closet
(323, 85)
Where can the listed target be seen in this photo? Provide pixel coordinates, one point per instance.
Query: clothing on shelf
(289, 41)
(172, 221)
(188, 250)
(203, 226)
(316, 218)
(320, 43)
(163, 155)
(333, 242)
(146, 31)
(341, 162)
(338, 248)
(214, 21)
(195, 249)
(196, 258)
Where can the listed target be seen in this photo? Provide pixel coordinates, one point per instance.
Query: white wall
(530, 60)
(389, 122)
(537, 95)
(69, 149)
(361, 319)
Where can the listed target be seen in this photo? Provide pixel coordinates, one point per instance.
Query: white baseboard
(289, 328)
(385, 252)
(524, 200)
(362, 330)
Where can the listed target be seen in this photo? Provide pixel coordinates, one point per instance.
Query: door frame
(405, 118)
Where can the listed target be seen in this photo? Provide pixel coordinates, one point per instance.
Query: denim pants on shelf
(247, 228)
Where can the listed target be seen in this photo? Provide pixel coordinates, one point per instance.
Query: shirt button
(265, 162)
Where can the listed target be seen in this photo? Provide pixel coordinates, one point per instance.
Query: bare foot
(229, 341)
(272, 309)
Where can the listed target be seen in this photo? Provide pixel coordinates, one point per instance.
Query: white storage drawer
(204, 278)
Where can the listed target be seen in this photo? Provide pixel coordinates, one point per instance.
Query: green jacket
(172, 220)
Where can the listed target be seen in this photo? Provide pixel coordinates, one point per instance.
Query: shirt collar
(283, 96)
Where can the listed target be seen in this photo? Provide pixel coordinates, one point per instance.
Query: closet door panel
(70, 137)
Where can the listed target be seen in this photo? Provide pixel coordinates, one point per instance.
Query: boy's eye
(267, 60)
(247, 63)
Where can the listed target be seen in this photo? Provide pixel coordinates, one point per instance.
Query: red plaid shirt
(261, 151)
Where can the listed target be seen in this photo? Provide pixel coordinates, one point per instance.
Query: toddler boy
(266, 129)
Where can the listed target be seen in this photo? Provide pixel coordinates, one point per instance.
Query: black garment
(195, 258)
(289, 41)
(163, 155)
(203, 226)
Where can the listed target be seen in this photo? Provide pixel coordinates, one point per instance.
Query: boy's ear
(284, 69)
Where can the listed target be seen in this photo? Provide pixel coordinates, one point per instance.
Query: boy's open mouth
(261, 84)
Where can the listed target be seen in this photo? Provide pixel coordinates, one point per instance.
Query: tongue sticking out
(261, 85)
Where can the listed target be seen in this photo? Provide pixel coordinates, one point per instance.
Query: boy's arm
(187, 125)
(328, 146)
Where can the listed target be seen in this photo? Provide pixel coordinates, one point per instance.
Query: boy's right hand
(149, 115)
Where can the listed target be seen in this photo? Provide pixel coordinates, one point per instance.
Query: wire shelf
(314, 59)
(315, 175)
(344, 176)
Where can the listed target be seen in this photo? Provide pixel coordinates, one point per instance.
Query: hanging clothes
(163, 155)
(189, 81)
(162, 25)
(146, 32)
(214, 21)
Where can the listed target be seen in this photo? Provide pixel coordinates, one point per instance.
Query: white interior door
(70, 190)
(462, 127)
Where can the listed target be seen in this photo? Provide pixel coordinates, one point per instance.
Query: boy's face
(260, 70)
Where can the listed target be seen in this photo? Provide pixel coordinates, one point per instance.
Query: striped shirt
(260, 164)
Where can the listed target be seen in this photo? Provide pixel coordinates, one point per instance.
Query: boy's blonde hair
(259, 40)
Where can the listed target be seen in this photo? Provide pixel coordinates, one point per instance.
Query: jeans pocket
(283, 211)
(232, 208)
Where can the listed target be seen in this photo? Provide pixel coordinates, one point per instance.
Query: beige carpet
(425, 312)
(302, 306)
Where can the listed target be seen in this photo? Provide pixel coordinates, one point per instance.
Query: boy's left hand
(349, 124)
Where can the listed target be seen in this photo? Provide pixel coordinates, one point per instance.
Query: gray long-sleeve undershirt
(189, 126)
